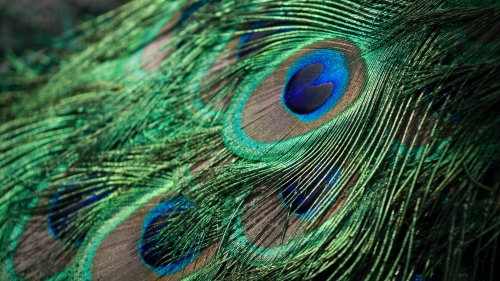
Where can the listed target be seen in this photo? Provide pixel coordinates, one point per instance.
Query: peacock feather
(256, 140)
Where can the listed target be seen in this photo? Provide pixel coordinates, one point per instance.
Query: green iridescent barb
(256, 140)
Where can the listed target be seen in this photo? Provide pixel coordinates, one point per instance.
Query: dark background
(34, 24)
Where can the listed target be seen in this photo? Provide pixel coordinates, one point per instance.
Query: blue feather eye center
(67, 211)
(186, 14)
(315, 83)
(306, 194)
(244, 48)
(302, 95)
(189, 11)
(415, 277)
(449, 91)
(156, 250)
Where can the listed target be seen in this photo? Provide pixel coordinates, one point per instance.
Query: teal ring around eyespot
(8, 264)
(133, 63)
(233, 135)
(180, 263)
(199, 112)
(240, 247)
(101, 231)
(242, 145)
(124, 209)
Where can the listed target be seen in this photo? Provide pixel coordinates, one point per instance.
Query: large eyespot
(275, 224)
(315, 83)
(45, 246)
(147, 238)
(277, 108)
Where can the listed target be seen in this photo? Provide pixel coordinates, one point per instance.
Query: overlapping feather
(401, 183)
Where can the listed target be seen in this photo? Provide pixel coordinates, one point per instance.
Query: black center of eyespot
(302, 196)
(246, 41)
(154, 251)
(162, 247)
(301, 96)
(68, 210)
(448, 91)
(188, 12)
(414, 277)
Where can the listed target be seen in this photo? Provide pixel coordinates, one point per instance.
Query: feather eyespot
(303, 194)
(46, 245)
(273, 224)
(438, 97)
(143, 241)
(301, 95)
(280, 106)
(250, 43)
(159, 37)
(69, 205)
(215, 85)
(165, 258)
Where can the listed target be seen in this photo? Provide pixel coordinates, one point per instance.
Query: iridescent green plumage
(167, 148)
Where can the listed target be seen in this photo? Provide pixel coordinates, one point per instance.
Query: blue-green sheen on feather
(337, 158)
